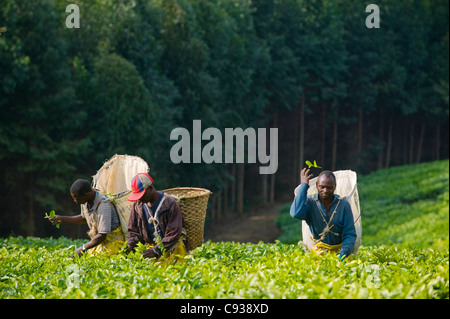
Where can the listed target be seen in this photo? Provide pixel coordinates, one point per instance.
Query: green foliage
(312, 165)
(135, 70)
(404, 255)
(38, 107)
(51, 215)
(121, 88)
(42, 268)
(291, 228)
(406, 205)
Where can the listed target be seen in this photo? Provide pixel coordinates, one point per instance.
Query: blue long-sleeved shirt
(304, 207)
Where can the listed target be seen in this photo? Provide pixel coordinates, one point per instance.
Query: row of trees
(343, 94)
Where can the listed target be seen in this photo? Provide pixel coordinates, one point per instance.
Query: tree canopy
(348, 96)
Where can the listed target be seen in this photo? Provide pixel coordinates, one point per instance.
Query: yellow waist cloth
(320, 247)
(111, 245)
(176, 253)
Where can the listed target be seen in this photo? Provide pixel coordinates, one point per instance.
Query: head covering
(139, 184)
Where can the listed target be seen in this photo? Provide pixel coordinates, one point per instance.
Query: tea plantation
(405, 219)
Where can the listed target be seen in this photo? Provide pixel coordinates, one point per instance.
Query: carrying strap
(157, 236)
(327, 228)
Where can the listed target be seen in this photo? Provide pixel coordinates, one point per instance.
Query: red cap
(139, 184)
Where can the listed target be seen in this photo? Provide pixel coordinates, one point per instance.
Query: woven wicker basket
(193, 203)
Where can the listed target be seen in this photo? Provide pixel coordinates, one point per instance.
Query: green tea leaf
(51, 215)
(312, 165)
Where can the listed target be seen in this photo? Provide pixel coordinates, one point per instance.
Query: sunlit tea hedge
(404, 255)
(42, 268)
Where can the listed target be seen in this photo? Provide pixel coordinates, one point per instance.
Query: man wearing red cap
(155, 220)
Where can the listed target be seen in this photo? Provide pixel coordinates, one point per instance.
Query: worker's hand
(149, 253)
(305, 176)
(79, 251)
(56, 220)
(128, 249)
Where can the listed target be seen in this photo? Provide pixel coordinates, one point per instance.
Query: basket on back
(115, 175)
(193, 202)
(114, 179)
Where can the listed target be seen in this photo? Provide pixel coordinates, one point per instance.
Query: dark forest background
(339, 93)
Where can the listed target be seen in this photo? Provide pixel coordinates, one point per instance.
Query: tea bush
(222, 270)
(404, 255)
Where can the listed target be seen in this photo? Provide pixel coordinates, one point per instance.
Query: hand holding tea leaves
(54, 220)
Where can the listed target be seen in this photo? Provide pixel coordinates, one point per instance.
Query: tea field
(404, 255)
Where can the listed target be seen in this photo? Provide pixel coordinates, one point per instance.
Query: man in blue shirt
(328, 216)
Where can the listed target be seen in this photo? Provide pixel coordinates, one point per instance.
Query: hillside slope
(405, 206)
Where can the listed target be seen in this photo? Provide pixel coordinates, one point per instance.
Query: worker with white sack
(329, 216)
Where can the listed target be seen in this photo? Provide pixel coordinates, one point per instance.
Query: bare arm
(77, 220)
(99, 238)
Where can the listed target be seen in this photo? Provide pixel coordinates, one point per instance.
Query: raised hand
(305, 176)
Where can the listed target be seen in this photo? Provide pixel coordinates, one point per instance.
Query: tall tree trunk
(295, 164)
(219, 205)
(360, 137)
(30, 220)
(420, 146)
(240, 188)
(437, 141)
(272, 177)
(411, 142)
(405, 148)
(272, 188)
(213, 209)
(301, 150)
(226, 199)
(335, 142)
(381, 139)
(264, 188)
(389, 142)
(233, 187)
(323, 132)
